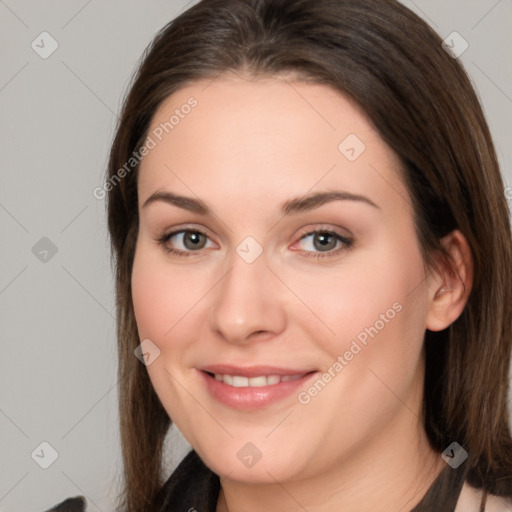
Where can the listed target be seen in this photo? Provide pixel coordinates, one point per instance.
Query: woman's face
(277, 351)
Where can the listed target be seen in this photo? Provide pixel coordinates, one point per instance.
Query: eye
(317, 243)
(321, 243)
(184, 241)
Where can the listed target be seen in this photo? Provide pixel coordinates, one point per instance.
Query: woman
(300, 197)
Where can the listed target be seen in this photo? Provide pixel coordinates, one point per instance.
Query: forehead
(274, 137)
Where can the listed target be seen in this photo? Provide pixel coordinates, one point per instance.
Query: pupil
(325, 241)
(193, 240)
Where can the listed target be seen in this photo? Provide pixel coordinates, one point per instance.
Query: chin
(245, 462)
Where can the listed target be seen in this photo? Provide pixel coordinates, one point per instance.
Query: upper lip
(252, 371)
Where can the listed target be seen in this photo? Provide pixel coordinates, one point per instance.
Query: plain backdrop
(57, 330)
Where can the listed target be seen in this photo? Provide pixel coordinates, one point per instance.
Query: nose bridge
(245, 281)
(244, 301)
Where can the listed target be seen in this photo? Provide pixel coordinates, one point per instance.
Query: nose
(248, 303)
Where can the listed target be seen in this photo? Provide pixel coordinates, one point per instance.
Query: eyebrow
(296, 205)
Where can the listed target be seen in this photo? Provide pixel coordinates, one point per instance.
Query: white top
(470, 499)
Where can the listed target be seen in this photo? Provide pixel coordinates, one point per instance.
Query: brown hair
(422, 103)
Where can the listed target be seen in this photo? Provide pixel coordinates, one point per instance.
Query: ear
(450, 283)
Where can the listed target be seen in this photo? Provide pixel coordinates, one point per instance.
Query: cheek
(160, 297)
(373, 363)
(169, 305)
(373, 293)
(149, 294)
(162, 302)
(378, 311)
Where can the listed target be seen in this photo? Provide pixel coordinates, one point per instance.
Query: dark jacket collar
(192, 485)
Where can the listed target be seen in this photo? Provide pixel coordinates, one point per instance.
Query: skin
(249, 146)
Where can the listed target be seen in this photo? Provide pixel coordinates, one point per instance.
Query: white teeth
(239, 381)
(257, 382)
(273, 379)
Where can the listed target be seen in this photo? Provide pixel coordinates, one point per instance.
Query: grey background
(57, 331)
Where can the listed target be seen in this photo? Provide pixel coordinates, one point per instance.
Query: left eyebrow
(311, 201)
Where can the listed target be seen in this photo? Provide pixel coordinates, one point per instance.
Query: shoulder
(470, 500)
(76, 504)
(498, 504)
(191, 484)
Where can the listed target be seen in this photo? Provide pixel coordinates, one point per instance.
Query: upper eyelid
(174, 231)
(343, 232)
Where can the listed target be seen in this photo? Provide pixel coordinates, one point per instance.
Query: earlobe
(450, 283)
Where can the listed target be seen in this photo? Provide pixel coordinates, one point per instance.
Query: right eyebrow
(187, 203)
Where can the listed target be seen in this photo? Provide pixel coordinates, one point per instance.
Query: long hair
(419, 98)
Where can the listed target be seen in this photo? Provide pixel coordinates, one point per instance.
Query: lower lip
(252, 398)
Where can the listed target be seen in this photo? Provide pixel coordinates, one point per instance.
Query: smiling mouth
(258, 388)
(239, 381)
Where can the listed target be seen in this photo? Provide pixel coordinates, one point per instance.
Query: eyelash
(347, 243)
